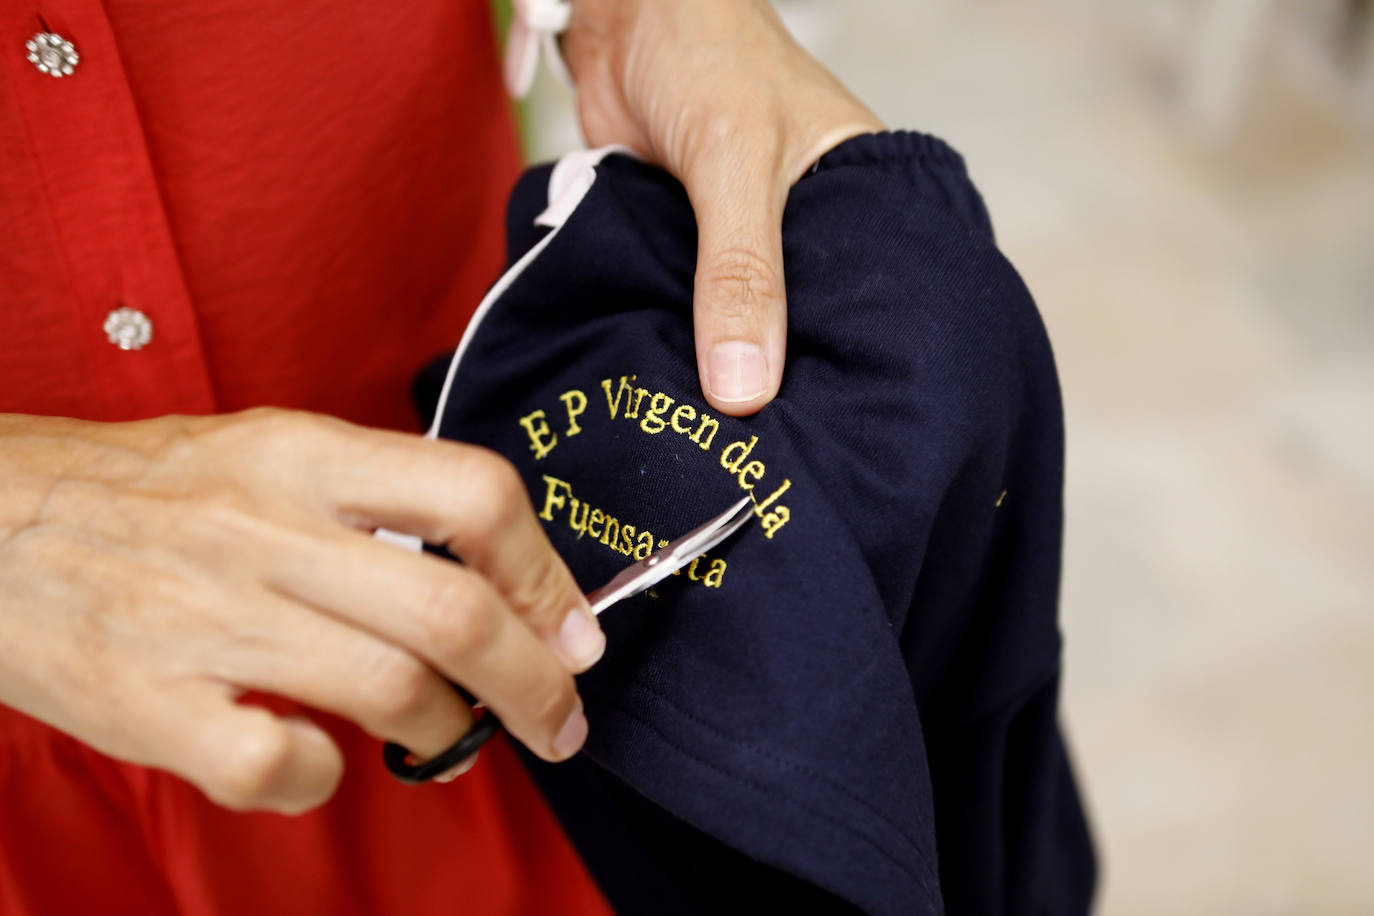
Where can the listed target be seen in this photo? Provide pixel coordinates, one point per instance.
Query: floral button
(128, 329)
(52, 54)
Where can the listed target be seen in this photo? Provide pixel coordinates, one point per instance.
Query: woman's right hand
(152, 572)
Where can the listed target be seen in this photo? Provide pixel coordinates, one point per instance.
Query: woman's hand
(718, 93)
(152, 572)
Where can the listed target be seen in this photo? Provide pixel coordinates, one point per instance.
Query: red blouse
(294, 204)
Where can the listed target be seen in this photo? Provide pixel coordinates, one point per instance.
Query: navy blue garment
(851, 705)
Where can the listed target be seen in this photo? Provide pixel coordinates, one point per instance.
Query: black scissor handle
(398, 759)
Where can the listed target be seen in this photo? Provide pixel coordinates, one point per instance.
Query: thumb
(739, 304)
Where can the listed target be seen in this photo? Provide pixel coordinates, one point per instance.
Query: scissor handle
(398, 759)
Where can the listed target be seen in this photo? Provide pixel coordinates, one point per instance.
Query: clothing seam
(498, 292)
(137, 146)
(781, 761)
(814, 812)
(947, 158)
(940, 195)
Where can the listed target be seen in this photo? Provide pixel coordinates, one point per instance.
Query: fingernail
(737, 371)
(459, 770)
(572, 735)
(580, 638)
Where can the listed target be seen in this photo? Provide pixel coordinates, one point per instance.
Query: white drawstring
(569, 181)
(535, 24)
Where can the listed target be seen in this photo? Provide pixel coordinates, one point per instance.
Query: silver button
(52, 54)
(128, 329)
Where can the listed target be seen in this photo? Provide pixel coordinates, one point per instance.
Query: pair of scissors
(632, 580)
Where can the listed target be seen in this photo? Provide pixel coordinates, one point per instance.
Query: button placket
(89, 155)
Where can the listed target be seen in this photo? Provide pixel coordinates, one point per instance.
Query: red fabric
(305, 199)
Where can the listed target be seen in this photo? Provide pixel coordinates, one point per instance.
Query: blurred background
(1187, 187)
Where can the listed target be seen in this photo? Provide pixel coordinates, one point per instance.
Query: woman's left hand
(720, 94)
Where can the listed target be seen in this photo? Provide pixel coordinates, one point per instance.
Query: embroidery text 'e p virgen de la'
(661, 414)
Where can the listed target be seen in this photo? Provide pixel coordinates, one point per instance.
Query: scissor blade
(665, 561)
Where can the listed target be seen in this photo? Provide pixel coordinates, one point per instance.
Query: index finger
(473, 502)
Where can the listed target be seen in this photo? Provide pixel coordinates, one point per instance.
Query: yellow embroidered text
(608, 531)
(653, 413)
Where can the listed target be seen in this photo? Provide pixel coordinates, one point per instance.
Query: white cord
(535, 24)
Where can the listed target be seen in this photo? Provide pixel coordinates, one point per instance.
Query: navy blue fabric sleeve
(857, 694)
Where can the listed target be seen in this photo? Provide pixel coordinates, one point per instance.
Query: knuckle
(499, 493)
(455, 618)
(251, 771)
(553, 701)
(273, 423)
(281, 437)
(545, 592)
(251, 428)
(398, 688)
(738, 281)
